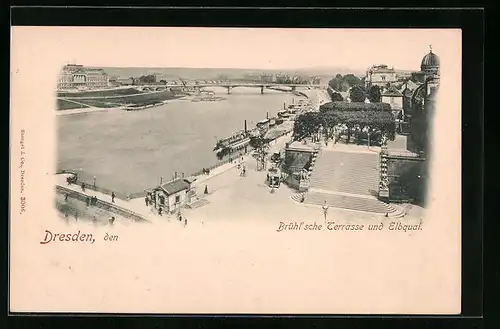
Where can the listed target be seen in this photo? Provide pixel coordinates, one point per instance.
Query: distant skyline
(247, 48)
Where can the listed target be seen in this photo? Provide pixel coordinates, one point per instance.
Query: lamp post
(94, 182)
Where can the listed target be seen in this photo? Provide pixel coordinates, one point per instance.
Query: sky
(268, 49)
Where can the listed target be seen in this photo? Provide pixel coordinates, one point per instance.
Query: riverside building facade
(73, 76)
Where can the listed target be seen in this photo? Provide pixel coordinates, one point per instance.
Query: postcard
(235, 171)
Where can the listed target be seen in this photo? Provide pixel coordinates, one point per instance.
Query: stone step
(348, 202)
(354, 173)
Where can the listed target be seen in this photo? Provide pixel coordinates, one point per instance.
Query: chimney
(245, 125)
(267, 115)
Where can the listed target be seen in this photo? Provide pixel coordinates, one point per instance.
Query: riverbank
(85, 110)
(133, 99)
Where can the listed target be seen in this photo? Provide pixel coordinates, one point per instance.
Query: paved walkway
(351, 148)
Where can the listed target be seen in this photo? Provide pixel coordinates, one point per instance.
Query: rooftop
(175, 186)
(392, 92)
(383, 70)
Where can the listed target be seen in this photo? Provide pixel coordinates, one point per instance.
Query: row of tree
(347, 107)
(344, 83)
(358, 94)
(346, 118)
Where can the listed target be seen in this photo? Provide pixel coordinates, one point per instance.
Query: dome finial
(430, 48)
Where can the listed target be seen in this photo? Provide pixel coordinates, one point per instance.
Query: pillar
(262, 90)
(228, 90)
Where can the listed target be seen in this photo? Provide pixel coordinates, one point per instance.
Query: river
(130, 151)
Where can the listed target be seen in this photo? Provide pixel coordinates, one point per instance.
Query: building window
(383, 78)
(177, 198)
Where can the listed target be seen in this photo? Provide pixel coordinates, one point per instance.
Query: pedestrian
(113, 197)
(185, 222)
(94, 219)
(386, 214)
(66, 195)
(202, 221)
(66, 216)
(88, 201)
(95, 201)
(146, 199)
(325, 209)
(112, 220)
(206, 190)
(76, 215)
(160, 210)
(83, 187)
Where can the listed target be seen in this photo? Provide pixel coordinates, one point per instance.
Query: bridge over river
(231, 85)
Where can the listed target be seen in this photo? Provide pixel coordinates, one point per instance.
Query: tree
(306, 125)
(352, 80)
(261, 147)
(336, 97)
(344, 86)
(374, 94)
(380, 120)
(335, 82)
(357, 94)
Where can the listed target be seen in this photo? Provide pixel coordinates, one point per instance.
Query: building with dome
(430, 64)
(420, 103)
(429, 73)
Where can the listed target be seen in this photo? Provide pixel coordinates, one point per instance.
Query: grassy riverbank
(135, 100)
(100, 93)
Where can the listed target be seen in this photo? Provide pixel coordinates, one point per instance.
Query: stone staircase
(347, 180)
(346, 172)
(348, 202)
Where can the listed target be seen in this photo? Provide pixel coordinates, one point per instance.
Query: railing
(102, 204)
(234, 156)
(93, 187)
(403, 154)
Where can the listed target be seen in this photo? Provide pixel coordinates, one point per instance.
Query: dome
(430, 62)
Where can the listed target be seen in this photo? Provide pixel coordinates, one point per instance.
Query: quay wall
(108, 206)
